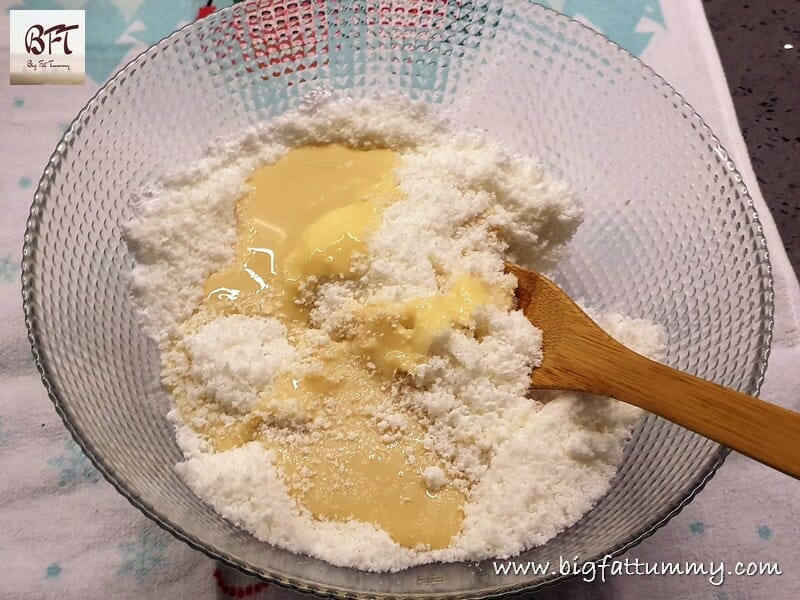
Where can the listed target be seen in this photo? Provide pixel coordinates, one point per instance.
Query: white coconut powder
(530, 463)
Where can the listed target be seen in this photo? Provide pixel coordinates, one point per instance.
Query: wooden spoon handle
(580, 356)
(765, 432)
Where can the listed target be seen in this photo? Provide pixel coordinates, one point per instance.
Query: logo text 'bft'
(34, 38)
(47, 47)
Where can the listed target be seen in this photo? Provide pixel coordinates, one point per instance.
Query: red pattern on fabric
(234, 591)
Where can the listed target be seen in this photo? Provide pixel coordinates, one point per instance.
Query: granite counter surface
(759, 45)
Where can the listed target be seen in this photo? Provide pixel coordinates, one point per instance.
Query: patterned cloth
(67, 534)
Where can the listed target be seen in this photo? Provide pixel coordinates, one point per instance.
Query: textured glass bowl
(670, 234)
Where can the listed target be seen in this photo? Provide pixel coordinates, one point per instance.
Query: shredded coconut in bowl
(526, 464)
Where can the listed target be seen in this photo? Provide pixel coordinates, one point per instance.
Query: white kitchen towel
(65, 532)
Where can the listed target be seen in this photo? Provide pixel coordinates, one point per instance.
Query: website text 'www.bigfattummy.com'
(715, 572)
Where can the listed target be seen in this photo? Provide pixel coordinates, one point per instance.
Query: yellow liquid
(309, 216)
(289, 196)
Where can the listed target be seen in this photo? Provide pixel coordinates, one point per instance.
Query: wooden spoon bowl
(580, 356)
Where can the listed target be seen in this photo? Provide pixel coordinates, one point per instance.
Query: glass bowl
(670, 234)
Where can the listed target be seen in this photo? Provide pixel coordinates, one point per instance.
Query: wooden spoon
(581, 357)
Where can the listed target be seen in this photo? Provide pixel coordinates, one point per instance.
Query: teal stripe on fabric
(618, 20)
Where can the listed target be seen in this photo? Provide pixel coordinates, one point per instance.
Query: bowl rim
(34, 335)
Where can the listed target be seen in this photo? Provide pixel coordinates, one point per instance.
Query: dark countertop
(759, 45)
